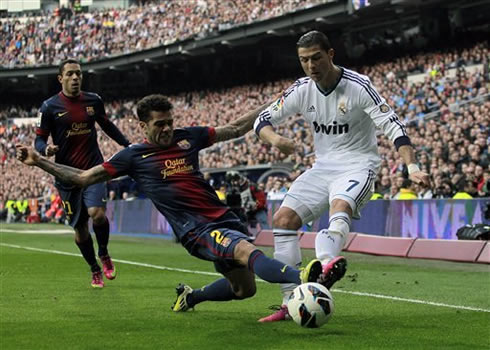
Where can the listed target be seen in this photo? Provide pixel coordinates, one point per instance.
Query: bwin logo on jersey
(334, 128)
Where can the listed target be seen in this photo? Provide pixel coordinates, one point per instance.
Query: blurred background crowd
(49, 38)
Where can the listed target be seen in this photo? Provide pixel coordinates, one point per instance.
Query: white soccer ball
(311, 305)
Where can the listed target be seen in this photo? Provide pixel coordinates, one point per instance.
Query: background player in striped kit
(344, 110)
(70, 117)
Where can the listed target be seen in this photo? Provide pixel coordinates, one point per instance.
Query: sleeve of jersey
(383, 116)
(43, 121)
(211, 136)
(285, 106)
(42, 130)
(205, 136)
(119, 164)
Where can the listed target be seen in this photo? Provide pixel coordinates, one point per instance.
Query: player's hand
(285, 145)
(419, 177)
(27, 155)
(51, 150)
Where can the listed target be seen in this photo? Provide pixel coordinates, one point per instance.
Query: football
(311, 305)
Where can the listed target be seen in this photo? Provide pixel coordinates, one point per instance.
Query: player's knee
(242, 252)
(97, 215)
(286, 220)
(340, 205)
(99, 220)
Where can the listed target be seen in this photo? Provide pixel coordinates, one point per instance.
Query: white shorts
(311, 193)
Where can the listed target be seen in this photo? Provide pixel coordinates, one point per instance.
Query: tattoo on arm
(74, 176)
(240, 126)
(227, 132)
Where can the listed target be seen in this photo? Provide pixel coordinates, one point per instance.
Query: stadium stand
(49, 38)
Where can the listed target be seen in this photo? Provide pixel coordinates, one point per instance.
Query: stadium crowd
(446, 116)
(49, 38)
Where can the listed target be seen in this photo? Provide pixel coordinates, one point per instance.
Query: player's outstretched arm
(414, 173)
(284, 144)
(240, 126)
(66, 174)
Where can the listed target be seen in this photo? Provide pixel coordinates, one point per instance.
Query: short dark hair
(312, 38)
(156, 102)
(407, 183)
(65, 62)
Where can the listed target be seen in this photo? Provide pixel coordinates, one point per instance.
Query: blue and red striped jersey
(71, 124)
(170, 177)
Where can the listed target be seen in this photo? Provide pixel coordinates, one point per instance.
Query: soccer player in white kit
(344, 110)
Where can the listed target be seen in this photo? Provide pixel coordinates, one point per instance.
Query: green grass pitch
(46, 302)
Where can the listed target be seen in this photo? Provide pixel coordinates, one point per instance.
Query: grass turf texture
(47, 302)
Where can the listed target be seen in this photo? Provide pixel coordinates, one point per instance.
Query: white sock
(287, 250)
(329, 242)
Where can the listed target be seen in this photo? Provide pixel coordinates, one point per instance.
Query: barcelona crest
(184, 144)
(90, 111)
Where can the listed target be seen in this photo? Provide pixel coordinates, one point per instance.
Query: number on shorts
(354, 184)
(67, 207)
(218, 237)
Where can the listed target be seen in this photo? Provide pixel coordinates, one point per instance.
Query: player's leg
(286, 223)
(306, 200)
(349, 193)
(231, 251)
(238, 284)
(83, 240)
(94, 200)
(230, 246)
(272, 270)
(77, 217)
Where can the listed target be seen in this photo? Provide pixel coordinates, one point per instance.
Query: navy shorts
(216, 242)
(76, 200)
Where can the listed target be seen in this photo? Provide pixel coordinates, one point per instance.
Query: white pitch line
(372, 295)
(54, 232)
(116, 260)
(415, 301)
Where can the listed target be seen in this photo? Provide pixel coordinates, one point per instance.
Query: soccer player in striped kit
(70, 117)
(166, 167)
(344, 110)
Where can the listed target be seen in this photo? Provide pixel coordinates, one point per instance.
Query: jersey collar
(329, 91)
(70, 98)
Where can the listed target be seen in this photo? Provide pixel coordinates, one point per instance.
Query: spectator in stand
(423, 191)
(260, 214)
(383, 186)
(221, 192)
(277, 192)
(463, 189)
(445, 190)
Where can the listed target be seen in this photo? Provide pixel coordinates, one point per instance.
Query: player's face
(316, 62)
(159, 129)
(71, 79)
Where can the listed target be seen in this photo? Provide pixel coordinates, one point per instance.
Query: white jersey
(343, 120)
